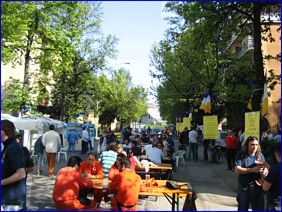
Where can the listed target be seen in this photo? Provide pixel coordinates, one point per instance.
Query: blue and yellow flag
(206, 104)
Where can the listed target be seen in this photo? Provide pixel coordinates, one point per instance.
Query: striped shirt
(107, 159)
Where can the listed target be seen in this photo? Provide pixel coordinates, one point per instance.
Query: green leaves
(195, 57)
(64, 41)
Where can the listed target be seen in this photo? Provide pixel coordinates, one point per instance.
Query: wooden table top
(153, 190)
(161, 189)
(162, 166)
(101, 183)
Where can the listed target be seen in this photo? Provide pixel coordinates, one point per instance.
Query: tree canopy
(64, 52)
(193, 59)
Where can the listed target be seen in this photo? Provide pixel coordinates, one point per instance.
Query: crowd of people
(259, 183)
(117, 159)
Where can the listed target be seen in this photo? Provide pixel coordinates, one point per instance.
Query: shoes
(52, 177)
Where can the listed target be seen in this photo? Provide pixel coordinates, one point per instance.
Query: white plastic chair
(179, 156)
(34, 157)
(63, 151)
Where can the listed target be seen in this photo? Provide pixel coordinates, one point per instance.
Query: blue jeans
(71, 147)
(40, 159)
(251, 193)
(193, 149)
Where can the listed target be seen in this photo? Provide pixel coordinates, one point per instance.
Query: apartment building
(243, 45)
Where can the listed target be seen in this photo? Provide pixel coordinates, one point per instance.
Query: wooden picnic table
(172, 195)
(162, 171)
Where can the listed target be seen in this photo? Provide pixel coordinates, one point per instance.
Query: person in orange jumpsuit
(93, 169)
(126, 187)
(68, 184)
(115, 169)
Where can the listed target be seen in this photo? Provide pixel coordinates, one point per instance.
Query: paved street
(215, 187)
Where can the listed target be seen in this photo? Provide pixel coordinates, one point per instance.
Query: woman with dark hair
(250, 165)
(133, 160)
(27, 158)
(126, 187)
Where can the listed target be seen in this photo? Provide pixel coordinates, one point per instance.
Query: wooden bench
(97, 209)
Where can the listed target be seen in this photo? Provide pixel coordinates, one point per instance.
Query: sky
(137, 25)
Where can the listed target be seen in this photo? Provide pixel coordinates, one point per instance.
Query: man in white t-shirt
(84, 141)
(193, 144)
(156, 154)
(52, 142)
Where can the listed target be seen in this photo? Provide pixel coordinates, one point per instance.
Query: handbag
(172, 185)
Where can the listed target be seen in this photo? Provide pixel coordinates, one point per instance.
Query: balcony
(246, 45)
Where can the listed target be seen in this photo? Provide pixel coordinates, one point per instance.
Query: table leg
(177, 203)
(173, 202)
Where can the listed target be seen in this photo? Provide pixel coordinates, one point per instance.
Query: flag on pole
(249, 106)
(264, 101)
(206, 104)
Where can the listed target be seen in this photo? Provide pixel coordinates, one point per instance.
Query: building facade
(242, 45)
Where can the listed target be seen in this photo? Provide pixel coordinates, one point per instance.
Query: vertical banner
(179, 126)
(210, 127)
(187, 123)
(252, 124)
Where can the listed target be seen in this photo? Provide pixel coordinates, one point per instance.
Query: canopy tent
(34, 126)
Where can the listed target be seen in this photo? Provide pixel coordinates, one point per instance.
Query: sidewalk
(215, 187)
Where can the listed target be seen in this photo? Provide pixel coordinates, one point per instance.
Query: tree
(196, 43)
(121, 99)
(64, 39)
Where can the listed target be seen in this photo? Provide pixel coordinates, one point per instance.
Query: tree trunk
(62, 111)
(27, 59)
(30, 38)
(258, 58)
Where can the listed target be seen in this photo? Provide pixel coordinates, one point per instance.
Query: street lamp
(115, 64)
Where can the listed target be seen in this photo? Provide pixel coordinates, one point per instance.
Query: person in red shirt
(92, 168)
(126, 187)
(69, 182)
(133, 160)
(231, 147)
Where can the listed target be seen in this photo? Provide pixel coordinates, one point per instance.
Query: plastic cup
(104, 184)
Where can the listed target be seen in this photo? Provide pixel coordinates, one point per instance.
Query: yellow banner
(179, 126)
(96, 121)
(252, 124)
(187, 123)
(210, 127)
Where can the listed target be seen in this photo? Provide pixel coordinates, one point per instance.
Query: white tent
(34, 126)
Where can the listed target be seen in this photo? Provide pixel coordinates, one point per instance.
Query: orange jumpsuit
(126, 187)
(94, 169)
(66, 189)
(113, 171)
